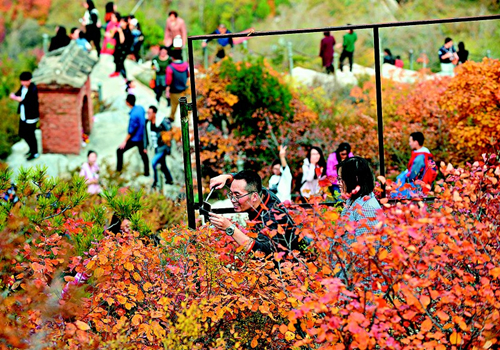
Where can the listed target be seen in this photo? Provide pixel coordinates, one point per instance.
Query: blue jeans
(161, 158)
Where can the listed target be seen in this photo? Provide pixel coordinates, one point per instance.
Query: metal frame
(185, 107)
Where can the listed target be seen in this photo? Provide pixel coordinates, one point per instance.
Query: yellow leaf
(128, 306)
(289, 336)
(136, 276)
(128, 266)
(91, 264)
(455, 338)
(147, 286)
(98, 272)
(82, 325)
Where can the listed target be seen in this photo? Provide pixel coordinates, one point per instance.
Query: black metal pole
(380, 119)
(195, 123)
(186, 152)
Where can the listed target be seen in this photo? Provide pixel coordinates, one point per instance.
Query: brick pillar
(62, 119)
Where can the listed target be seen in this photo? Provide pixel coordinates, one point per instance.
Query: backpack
(430, 171)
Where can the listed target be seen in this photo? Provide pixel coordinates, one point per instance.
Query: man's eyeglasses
(234, 198)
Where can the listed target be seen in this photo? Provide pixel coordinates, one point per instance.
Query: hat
(25, 76)
(134, 21)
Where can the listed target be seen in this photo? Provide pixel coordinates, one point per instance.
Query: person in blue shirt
(221, 43)
(135, 136)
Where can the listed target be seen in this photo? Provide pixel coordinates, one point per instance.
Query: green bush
(256, 89)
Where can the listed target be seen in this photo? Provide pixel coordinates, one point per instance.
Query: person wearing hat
(27, 96)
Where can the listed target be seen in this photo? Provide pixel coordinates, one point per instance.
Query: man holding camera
(268, 218)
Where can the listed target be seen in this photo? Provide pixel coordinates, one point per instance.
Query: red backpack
(430, 171)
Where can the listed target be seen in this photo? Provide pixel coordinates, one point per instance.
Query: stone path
(109, 130)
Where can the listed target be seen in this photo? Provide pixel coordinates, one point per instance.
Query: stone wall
(64, 113)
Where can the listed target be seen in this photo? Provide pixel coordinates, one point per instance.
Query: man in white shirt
(27, 96)
(281, 180)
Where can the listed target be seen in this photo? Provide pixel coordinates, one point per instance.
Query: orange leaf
(455, 338)
(426, 325)
(443, 315)
(495, 272)
(254, 342)
(283, 328)
(136, 320)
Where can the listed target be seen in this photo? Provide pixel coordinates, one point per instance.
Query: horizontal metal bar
(327, 204)
(346, 27)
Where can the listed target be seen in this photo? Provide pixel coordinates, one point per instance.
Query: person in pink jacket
(342, 153)
(174, 26)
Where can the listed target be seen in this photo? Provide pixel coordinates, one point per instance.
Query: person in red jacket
(326, 52)
(177, 76)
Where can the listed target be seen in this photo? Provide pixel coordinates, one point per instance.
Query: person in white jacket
(313, 170)
(281, 181)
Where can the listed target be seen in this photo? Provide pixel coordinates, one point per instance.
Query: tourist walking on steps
(121, 48)
(92, 25)
(27, 96)
(173, 27)
(135, 136)
(161, 149)
(327, 51)
(177, 76)
(448, 57)
(221, 43)
(348, 49)
(110, 8)
(159, 65)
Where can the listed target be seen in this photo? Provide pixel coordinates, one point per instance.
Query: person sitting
(342, 153)
(61, 39)
(265, 211)
(420, 167)
(90, 171)
(388, 58)
(82, 42)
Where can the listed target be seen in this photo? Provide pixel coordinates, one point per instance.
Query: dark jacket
(30, 102)
(271, 214)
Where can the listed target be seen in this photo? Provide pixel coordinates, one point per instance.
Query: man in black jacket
(27, 96)
(271, 224)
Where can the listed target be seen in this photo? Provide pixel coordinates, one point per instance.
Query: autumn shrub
(427, 276)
